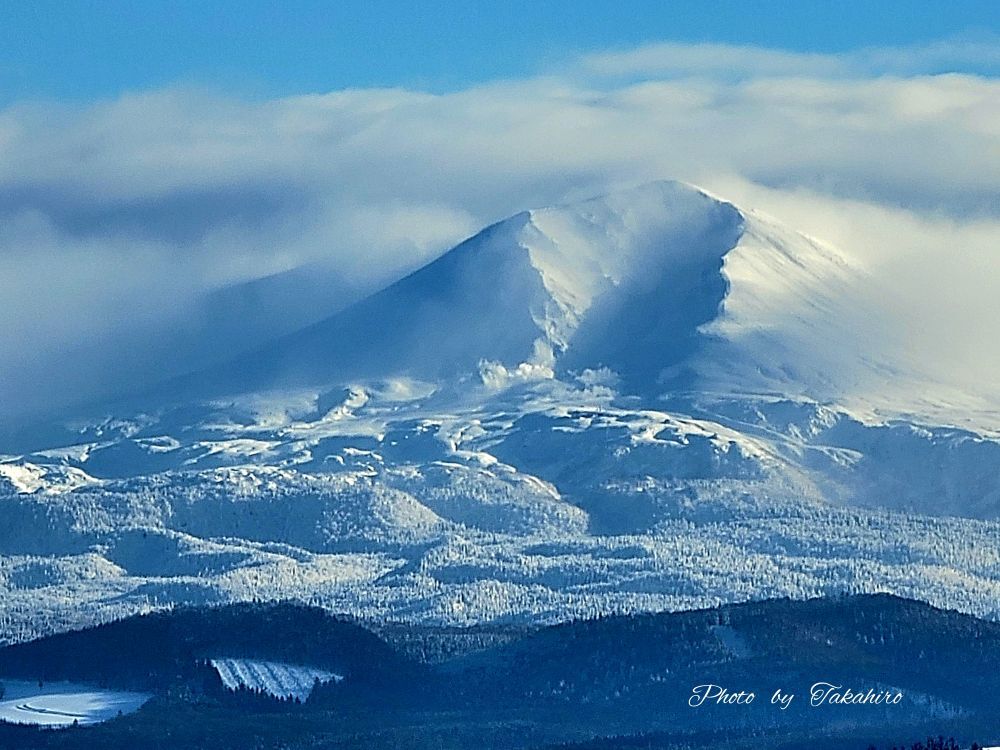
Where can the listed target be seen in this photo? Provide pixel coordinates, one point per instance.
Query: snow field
(60, 704)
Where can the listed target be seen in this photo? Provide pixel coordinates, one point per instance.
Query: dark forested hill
(614, 682)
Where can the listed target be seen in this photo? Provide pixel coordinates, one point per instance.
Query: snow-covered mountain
(663, 284)
(648, 400)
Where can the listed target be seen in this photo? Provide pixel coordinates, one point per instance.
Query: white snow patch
(27, 478)
(274, 678)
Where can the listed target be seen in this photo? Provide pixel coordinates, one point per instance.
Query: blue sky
(80, 50)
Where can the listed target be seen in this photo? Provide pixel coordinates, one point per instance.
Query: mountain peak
(664, 284)
(545, 280)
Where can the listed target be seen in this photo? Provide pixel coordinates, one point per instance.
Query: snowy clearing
(274, 678)
(60, 704)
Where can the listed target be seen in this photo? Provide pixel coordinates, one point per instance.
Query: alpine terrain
(648, 401)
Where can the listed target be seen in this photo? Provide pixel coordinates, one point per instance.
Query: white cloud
(981, 52)
(116, 216)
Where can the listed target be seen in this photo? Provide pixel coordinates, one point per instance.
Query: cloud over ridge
(118, 217)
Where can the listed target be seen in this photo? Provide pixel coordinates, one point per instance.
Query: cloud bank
(119, 219)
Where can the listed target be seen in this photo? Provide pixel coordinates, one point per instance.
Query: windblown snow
(650, 400)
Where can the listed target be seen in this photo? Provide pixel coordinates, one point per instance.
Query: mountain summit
(663, 284)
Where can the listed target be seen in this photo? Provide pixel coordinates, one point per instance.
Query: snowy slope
(648, 400)
(274, 678)
(668, 287)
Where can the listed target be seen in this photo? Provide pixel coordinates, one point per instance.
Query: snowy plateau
(652, 400)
